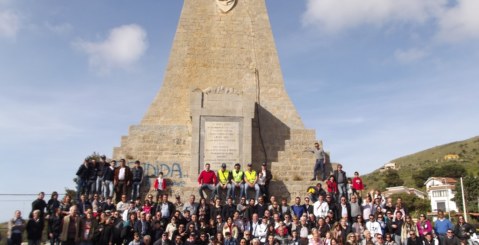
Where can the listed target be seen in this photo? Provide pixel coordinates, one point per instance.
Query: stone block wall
(235, 50)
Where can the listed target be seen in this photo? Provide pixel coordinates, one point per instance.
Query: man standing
(101, 166)
(166, 208)
(91, 182)
(191, 205)
(344, 210)
(450, 239)
(71, 228)
(16, 226)
(224, 178)
(441, 226)
(207, 180)
(316, 191)
(355, 207)
(108, 177)
(142, 226)
(83, 205)
(251, 181)
(82, 178)
(266, 177)
(320, 162)
(374, 227)
(237, 181)
(122, 179)
(321, 208)
(39, 204)
(297, 209)
(397, 227)
(137, 176)
(341, 180)
(228, 209)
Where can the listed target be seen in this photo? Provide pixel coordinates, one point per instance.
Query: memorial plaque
(221, 142)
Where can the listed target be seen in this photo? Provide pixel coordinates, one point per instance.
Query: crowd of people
(108, 209)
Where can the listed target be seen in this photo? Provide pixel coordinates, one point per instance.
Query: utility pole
(463, 201)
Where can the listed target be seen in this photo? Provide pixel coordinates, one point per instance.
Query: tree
(421, 176)
(391, 178)
(449, 170)
(471, 192)
(413, 203)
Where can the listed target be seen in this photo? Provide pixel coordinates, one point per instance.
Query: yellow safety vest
(237, 176)
(250, 176)
(223, 176)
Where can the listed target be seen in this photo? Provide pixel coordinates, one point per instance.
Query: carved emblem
(226, 5)
(221, 90)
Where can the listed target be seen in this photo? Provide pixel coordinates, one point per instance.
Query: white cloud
(410, 55)
(9, 24)
(460, 22)
(121, 49)
(337, 15)
(451, 22)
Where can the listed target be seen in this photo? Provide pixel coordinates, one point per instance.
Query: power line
(15, 200)
(16, 194)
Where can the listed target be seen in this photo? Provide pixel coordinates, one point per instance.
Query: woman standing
(54, 226)
(423, 225)
(358, 226)
(204, 210)
(231, 228)
(88, 227)
(408, 227)
(171, 227)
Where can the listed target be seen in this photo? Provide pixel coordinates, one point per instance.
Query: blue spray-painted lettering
(169, 170)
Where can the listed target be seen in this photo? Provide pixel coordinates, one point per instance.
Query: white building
(403, 189)
(387, 166)
(440, 191)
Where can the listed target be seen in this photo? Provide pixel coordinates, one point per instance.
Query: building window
(442, 193)
(441, 206)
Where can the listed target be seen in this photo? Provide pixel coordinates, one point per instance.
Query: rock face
(222, 100)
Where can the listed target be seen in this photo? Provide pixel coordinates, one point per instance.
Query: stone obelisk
(222, 101)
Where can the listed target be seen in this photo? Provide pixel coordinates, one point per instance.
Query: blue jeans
(241, 191)
(107, 188)
(135, 189)
(81, 184)
(90, 189)
(99, 184)
(342, 190)
(210, 187)
(320, 166)
(256, 188)
(219, 188)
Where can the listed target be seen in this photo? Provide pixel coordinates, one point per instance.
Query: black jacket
(34, 229)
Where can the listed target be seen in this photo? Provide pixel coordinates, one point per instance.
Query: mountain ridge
(463, 152)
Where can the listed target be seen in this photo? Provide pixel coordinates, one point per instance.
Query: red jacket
(207, 177)
(332, 186)
(358, 183)
(163, 184)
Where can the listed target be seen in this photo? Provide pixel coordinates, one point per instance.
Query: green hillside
(467, 152)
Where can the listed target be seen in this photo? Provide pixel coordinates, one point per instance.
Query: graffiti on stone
(172, 170)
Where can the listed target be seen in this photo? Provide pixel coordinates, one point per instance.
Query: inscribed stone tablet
(221, 143)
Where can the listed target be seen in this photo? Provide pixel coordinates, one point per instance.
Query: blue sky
(376, 79)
